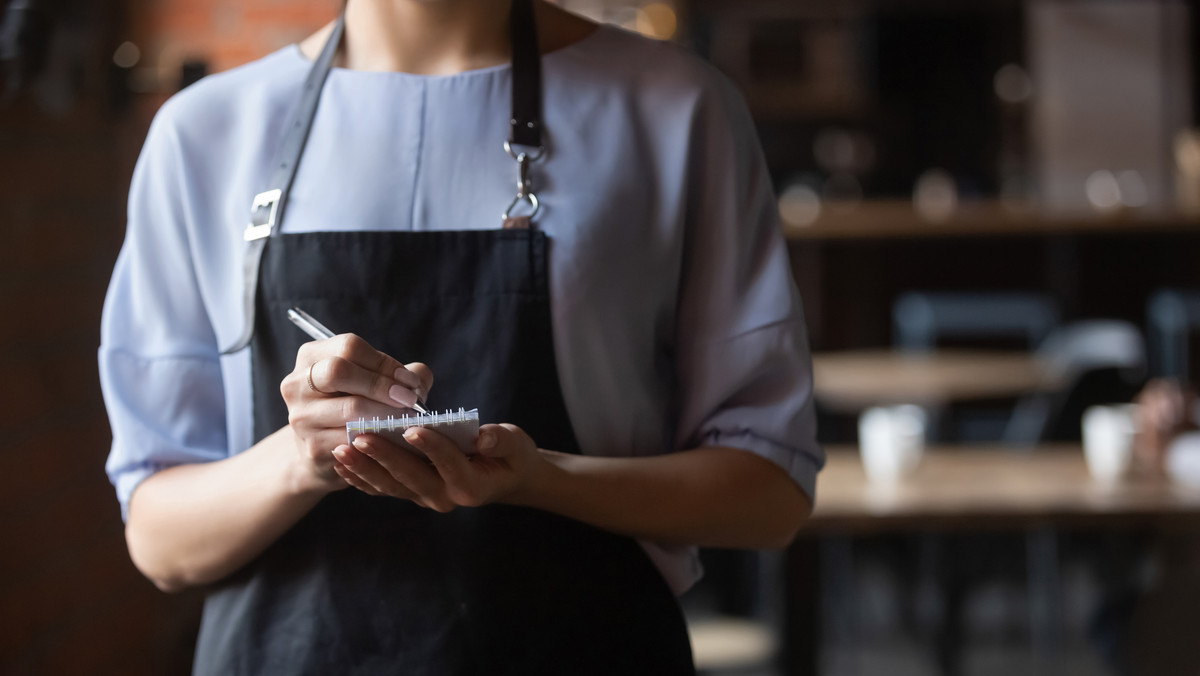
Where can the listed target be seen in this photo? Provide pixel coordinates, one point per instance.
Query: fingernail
(361, 444)
(487, 440)
(402, 396)
(412, 437)
(339, 453)
(407, 378)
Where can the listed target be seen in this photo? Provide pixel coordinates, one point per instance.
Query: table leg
(802, 608)
(1045, 591)
(948, 643)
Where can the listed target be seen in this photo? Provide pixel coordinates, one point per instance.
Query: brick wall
(224, 33)
(70, 600)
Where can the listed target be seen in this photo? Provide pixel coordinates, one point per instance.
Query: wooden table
(965, 489)
(854, 380)
(974, 487)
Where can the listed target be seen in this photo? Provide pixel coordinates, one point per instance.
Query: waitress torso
(377, 585)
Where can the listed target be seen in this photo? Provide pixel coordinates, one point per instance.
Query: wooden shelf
(898, 219)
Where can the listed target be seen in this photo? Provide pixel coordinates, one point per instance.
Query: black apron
(378, 585)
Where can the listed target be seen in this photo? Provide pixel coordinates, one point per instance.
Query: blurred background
(993, 212)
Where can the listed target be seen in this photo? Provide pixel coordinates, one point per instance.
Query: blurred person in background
(631, 337)
(1167, 416)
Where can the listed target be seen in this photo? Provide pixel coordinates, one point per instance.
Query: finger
(339, 374)
(424, 379)
(353, 479)
(449, 461)
(368, 473)
(334, 412)
(399, 465)
(356, 350)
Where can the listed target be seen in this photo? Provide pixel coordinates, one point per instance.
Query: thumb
(488, 441)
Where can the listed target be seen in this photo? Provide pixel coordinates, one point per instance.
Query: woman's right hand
(339, 379)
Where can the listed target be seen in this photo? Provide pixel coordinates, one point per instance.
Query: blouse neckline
(294, 53)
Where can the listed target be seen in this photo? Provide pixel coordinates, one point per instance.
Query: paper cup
(891, 440)
(1108, 434)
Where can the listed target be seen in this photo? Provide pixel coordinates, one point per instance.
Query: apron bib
(378, 585)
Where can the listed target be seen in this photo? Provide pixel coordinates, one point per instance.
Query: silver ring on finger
(311, 386)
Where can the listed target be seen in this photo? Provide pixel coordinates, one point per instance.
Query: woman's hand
(442, 477)
(710, 496)
(335, 380)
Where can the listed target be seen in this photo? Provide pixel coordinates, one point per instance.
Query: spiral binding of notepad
(459, 426)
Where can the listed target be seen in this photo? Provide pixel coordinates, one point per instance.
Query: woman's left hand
(506, 464)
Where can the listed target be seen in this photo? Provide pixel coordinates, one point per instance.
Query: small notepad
(460, 426)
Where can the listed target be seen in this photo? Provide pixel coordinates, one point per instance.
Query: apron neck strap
(267, 208)
(525, 123)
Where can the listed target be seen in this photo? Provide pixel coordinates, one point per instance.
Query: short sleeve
(159, 363)
(744, 366)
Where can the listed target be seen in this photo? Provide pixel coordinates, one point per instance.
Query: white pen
(308, 324)
(317, 331)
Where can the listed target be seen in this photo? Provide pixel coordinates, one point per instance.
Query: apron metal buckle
(529, 198)
(262, 215)
(524, 191)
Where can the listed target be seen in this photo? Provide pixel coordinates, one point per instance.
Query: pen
(317, 331)
(308, 324)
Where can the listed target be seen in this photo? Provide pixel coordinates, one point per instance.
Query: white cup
(891, 440)
(1108, 434)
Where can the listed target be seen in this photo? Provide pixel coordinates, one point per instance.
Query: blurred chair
(1097, 361)
(1101, 361)
(1172, 315)
(922, 319)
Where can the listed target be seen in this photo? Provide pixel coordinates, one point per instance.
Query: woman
(636, 302)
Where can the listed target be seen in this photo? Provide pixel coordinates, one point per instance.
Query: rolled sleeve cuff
(127, 480)
(802, 466)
